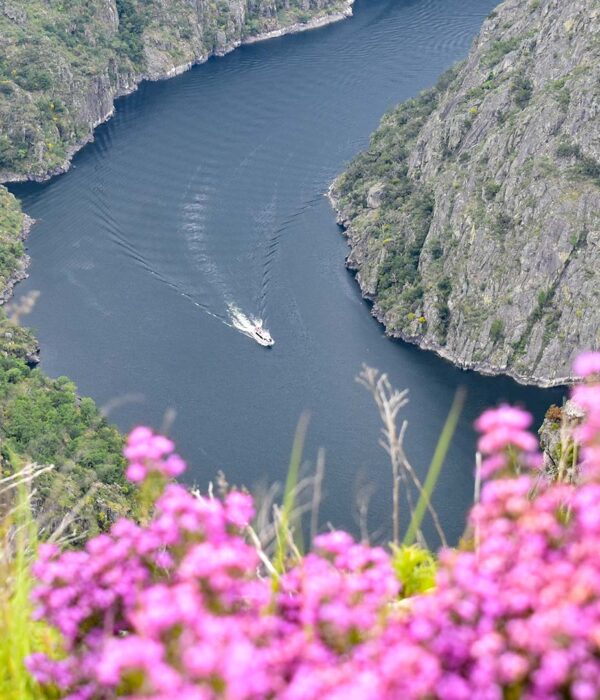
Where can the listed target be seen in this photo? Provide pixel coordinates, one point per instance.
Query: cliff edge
(62, 64)
(474, 216)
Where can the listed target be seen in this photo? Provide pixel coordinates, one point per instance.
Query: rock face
(63, 64)
(14, 229)
(474, 216)
(557, 440)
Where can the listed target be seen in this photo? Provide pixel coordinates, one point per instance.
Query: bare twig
(389, 401)
(254, 538)
(69, 517)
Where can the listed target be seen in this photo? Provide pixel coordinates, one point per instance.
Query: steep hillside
(14, 227)
(43, 420)
(62, 62)
(474, 216)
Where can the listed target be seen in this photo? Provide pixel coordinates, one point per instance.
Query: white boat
(250, 326)
(262, 335)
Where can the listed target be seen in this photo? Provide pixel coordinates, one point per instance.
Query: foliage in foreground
(20, 636)
(183, 606)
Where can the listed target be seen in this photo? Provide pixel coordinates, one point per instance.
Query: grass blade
(435, 467)
(289, 495)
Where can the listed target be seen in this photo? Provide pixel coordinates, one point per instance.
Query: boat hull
(263, 341)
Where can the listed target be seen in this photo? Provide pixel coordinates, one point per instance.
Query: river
(208, 190)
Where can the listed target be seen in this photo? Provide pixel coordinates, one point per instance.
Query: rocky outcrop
(19, 272)
(14, 229)
(557, 441)
(474, 216)
(61, 67)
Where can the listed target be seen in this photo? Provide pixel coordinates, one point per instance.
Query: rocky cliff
(474, 216)
(63, 62)
(14, 227)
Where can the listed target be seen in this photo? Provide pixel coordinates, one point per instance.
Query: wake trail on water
(241, 322)
(217, 283)
(104, 214)
(194, 227)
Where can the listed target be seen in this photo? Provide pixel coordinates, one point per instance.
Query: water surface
(208, 190)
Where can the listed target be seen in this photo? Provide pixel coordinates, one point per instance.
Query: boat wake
(249, 326)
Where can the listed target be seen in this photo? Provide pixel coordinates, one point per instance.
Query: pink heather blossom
(503, 416)
(136, 472)
(147, 452)
(587, 397)
(505, 429)
(503, 436)
(181, 608)
(587, 364)
(239, 508)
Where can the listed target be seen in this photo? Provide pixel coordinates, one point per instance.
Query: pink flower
(503, 436)
(239, 508)
(136, 472)
(182, 606)
(147, 452)
(587, 364)
(506, 442)
(503, 416)
(174, 466)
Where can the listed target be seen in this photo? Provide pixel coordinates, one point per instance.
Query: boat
(262, 335)
(250, 326)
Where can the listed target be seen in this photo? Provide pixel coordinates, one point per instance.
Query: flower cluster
(587, 396)
(181, 608)
(506, 440)
(148, 453)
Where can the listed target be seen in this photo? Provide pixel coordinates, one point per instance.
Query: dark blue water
(207, 190)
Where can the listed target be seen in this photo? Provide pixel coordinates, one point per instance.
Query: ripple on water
(207, 190)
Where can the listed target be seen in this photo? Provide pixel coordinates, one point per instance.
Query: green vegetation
(561, 93)
(415, 568)
(497, 330)
(568, 149)
(132, 22)
(502, 224)
(585, 167)
(11, 226)
(444, 289)
(491, 189)
(499, 49)
(522, 90)
(43, 420)
(62, 62)
(20, 635)
(400, 225)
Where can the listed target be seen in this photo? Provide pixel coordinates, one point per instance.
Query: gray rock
(375, 195)
(507, 275)
(84, 81)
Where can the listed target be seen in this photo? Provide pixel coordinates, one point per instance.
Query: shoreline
(21, 272)
(299, 27)
(481, 368)
(296, 28)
